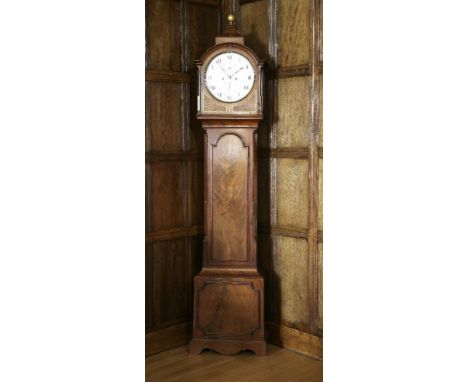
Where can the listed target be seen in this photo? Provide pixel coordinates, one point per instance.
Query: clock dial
(229, 77)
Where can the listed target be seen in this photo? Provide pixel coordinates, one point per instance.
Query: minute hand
(238, 70)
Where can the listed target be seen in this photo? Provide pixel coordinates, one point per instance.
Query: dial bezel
(245, 57)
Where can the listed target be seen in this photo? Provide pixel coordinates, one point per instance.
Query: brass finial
(231, 18)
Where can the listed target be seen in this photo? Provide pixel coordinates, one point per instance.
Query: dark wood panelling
(174, 233)
(166, 76)
(167, 294)
(176, 31)
(163, 34)
(196, 195)
(167, 196)
(243, 2)
(167, 338)
(203, 27)
(164, 117)
(161, 156)
(196, 132)
(206, 3)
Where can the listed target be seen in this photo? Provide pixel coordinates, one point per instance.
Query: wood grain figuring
(167, 338)
(293, 32)
(292, 193)
(228, 313)
(167, 196)
(217, 302)
(294, 112)
(230, 195)
(164, 116)
(163, 37)
(290, 266)
(177, 365)
(254, 26)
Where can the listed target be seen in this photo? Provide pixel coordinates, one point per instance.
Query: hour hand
(238, 70)
(222, 69)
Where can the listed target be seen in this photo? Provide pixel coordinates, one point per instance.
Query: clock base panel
(228, 313)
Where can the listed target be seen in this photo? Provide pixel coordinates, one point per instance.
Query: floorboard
(279, 365)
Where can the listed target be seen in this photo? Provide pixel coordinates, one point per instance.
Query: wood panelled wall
(177, 32)
(287, 34)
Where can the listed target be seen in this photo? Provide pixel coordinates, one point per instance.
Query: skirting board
(292, 339)
(295, 340)
(168, 338)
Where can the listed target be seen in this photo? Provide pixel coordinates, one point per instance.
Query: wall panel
(255, 27)
(288, 34)
(168, 269)
(163, 39)
(291, 292)
(177, 32)
(167, 195)
(294, 112)
(294, 32)
(203, 28)
(292, 193)
(164, 117)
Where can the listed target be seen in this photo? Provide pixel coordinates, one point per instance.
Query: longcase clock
(229, 291)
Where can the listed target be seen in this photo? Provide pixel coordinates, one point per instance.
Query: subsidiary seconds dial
(229, 77)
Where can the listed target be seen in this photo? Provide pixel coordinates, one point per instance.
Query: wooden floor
(279, 365)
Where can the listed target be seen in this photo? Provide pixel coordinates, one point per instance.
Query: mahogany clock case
(229, 291)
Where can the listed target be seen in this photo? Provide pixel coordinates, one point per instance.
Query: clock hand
(223, 69)
(239, 70)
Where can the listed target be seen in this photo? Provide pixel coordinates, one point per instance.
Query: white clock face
(229, 77)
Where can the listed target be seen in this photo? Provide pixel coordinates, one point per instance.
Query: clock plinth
(229, 291)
